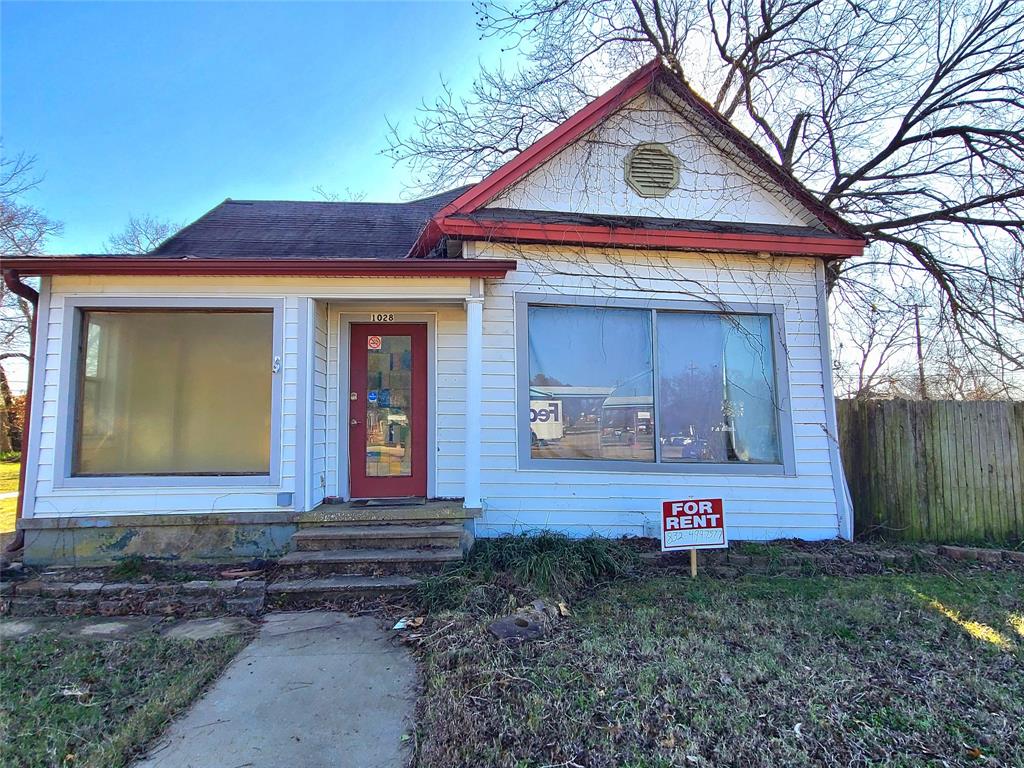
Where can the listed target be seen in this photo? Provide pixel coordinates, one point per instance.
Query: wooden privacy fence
(934, 470)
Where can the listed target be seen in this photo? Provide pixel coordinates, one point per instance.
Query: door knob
(353, 422)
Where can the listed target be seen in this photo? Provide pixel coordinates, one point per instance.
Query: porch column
(474, 385)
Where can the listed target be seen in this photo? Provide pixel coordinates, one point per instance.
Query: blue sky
(168, 108)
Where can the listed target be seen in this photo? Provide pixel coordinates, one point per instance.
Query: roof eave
(662, 239)
(185, 267)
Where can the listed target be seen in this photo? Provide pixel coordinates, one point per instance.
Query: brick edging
(41, 598)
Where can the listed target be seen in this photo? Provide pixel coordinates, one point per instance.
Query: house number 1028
(382, 317)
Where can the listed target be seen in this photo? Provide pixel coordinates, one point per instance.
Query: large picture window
(658, 386)
(174, 392)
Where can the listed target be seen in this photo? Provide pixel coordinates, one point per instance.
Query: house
(631, 310)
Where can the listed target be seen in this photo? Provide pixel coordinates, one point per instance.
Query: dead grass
(8, 484)
(881, 670)
(75, 702)
(9, 471)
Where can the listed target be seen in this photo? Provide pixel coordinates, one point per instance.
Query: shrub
(546, 564)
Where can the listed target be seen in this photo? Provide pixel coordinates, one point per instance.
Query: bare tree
(904, 116)
(872, 341)
(141, 235)
(889, 343)
(24, 230)
(345, 196)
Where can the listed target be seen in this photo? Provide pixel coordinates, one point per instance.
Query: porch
(217, 537)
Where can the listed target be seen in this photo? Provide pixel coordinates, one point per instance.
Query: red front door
(388, 411)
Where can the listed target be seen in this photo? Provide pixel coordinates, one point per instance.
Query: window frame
(69, 403)
(784, 417)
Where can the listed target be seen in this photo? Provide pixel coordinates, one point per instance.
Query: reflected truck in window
(546, 420)
(590, 422)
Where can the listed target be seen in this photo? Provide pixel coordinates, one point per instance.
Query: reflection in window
(591, 383)
(389, 408)
(716, 390)
(592, 396)
(174, 392)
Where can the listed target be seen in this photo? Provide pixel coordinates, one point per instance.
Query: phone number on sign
(693, 537)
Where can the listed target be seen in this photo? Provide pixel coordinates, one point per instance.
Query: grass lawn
(75, 702)
(8, 484)
(880, 670)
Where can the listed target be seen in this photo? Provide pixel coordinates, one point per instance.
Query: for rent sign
(693, 524)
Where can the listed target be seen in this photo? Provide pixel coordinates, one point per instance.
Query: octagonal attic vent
(651, 170)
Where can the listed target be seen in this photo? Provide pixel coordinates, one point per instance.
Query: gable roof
(279, 229)
(653, 76)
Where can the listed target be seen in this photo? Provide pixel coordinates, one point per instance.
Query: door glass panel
(388, 406)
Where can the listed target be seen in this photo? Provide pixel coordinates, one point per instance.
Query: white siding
(45, 500)
(514, 499)
(450, 417)
(589, 175)
(318, 428)
(620, 503)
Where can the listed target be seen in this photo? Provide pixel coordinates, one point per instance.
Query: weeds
(547, 564)
(132, 567)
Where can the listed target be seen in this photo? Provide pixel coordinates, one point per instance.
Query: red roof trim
(760, 158)
(549, 145)
(671, 239)
(98, 265)
(543, 149)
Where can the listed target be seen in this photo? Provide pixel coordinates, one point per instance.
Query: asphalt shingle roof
(279, 229)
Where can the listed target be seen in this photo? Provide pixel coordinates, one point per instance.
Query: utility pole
(920, 352)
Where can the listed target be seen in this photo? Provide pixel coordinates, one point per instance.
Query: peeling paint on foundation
(98, 545)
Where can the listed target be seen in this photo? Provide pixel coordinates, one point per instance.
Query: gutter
(12, 279)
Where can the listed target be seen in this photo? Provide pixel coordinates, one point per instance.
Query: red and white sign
(373, 342)
(693, 524)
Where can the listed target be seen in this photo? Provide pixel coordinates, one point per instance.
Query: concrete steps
(335, 590)
(350, 514)
(379, 536)
(342, 551)
(369, 561)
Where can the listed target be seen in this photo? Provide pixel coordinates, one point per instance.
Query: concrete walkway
(312, 690)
